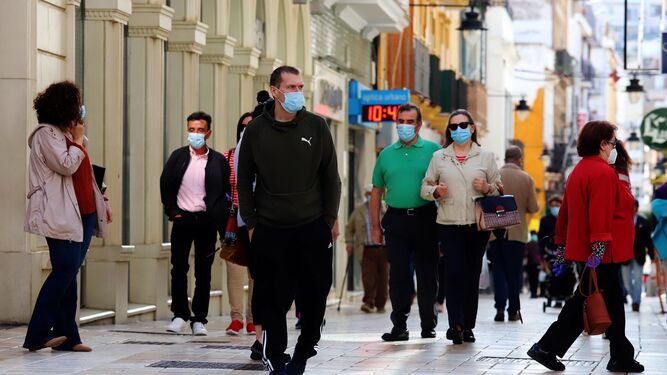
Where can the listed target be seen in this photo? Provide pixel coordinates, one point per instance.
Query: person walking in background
(533, 263)
(409, 224)
(595, 227)
(236, 275)
(372, 256)
(456, 176)
(195, 192)
(659, 209)
(507, 252)
(290, 215)
(633, 271)
(545, 236)
(66, 206)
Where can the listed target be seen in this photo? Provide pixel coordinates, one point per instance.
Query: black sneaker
(468, 336)
(396, 335)
(295, 367)
(256, 351)
(546, 359)
(455, 335)
(428, 333)
(500, 316)
(625, 366)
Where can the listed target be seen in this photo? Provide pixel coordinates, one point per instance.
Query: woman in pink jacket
(66, 206)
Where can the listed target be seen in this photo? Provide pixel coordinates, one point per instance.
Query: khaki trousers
(236, 278)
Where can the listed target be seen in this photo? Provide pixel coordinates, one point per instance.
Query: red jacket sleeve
(601, 193)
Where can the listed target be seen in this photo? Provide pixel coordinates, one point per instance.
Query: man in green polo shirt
(409, 224)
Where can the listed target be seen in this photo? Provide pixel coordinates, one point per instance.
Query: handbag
(496, 212)
(231, 249)
(595, 315)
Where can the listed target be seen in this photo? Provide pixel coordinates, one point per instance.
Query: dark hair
(240, 126)
(201, 116)
(592, 134)
(513, 153)
(623, 161)
(262, 96)
(636, 203)
(407, 107)
(556, 198)
(277, 74)
(59, 104)
(448, 136)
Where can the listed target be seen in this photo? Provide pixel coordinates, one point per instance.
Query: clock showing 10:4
(379, 112)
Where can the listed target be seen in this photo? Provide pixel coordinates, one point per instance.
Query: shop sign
(654, 129)
(379, 106)
(328, 93)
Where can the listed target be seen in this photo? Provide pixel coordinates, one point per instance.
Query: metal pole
(625, 35)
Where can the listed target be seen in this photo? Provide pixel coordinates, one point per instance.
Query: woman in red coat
(595, 226)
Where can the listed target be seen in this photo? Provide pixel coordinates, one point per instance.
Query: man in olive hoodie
(290, 154)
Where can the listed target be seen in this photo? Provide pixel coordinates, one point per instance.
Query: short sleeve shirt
(400, 170)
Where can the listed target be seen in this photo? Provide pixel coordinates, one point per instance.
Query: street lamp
(634, 90)
(471, 26)
(633, 138)
(522, 109)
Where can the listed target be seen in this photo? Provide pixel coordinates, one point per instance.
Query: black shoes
(500, 316)
(455, 335)
(625, 366)
(468, 336)
(635, 307)
(547, 359)
(396, 335)
(428, 333)
(514, 317)
(256, 351)
(295, 367)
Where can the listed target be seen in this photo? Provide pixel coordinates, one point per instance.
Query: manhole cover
(148, 342)
(233, 347)
(573, 363)
(209, 365)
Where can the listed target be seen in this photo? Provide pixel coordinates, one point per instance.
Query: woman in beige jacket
(458, 175)
(66, 206)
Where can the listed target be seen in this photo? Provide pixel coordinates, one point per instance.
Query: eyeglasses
(613, 142)
(462, 125)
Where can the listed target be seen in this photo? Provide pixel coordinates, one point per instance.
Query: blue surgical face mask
(461, 136)
(533, 237)
(294, 101)
(406, 133)
(554, 210)
(82, 112)
(196, 140)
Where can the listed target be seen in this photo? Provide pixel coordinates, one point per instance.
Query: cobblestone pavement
(350, 344)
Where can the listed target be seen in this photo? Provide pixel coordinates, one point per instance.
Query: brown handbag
(231, 249)
(596, 317)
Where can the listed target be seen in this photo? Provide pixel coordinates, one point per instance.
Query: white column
(149, 27)
(241, 86)
(215, 61)
(103, 90)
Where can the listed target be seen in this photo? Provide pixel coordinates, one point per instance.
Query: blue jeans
(55, 310)
(632, 280)
(507, 264)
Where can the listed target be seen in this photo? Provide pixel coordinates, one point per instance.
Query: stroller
(558, 288)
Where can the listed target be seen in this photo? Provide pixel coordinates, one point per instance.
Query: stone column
(241, 85)
(263, 74)
(149, 27)
(186, 43)
(103, 89)
(214, 68)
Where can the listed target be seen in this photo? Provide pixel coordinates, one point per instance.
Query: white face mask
(612, 156)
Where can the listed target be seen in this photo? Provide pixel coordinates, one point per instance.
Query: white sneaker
(198, 329)
(176, 325)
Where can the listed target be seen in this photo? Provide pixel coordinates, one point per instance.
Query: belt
(425, 209)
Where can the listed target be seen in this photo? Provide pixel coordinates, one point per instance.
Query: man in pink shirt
(195, 189)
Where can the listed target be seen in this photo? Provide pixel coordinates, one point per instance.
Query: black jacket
(547, 228)
(643, 243)
(295, 168)
(216, 183)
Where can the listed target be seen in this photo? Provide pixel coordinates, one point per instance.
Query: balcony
(371, 17)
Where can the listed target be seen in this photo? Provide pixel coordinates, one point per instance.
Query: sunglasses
(462, 125)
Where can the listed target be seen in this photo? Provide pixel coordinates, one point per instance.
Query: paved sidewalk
(350, 344)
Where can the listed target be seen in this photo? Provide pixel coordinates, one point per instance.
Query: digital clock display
(379, 112)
